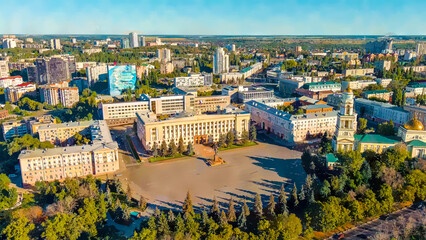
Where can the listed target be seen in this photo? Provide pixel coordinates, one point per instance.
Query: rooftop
(66, 150)
(318, 106)
(376, 138)
(417, 143)
(331, 158)
(376, 91)
(67, 125)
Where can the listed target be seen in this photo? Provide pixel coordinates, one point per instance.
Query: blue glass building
(121, 78)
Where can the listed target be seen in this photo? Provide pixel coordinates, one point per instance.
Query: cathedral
(411, 134)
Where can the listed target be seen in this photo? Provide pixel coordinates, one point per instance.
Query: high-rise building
(121, 78)
(125, 43)
(73, 40)
(96, 73)
(230, 47)
(143, 41)
(421, 49)
(344, 139)
(52, 69)
(134, 43)
(220, 62)
(4, 69)
(383, 46)
(164, 55)
(55, 44)
(9, 43)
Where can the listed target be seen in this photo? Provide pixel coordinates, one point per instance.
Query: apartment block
(13, 94)
(98, 73)
(10, 81)
(381, 112)
(358, 72)
(4, 69)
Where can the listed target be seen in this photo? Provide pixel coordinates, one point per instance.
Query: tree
(163, 148)
(18, 229)
(222, 140)
(181, 146)
(252, 133)
(231, 215)
(325, 189)
(172, 148)
(128, 193)
(257, 207)
(190, 149)
(362, 125)
(242, 220)
(386, 198)
(187, 204)
(281, 207)
(270, 208)
(244, 137)
(230, 138)
(245, 208)
(63, 226)
(289, 227)
(294, 200)
(214, 210)
(325, 145)
(142, 204)
(155, 150)
(386, 129)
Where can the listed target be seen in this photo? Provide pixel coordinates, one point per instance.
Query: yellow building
(192, 128)
(61, 162)
(60, 133)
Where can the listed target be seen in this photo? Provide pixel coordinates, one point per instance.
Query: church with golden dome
(411, 133)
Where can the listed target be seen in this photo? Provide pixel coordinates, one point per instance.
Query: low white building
(194, 80)
(383, 81)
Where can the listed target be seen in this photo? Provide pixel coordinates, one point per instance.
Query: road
(393, 224)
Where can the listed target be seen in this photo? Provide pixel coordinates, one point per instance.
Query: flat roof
(67, 125)
(66, 150)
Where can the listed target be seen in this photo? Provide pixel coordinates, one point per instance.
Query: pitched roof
(331, 158)
(376, 138)
(417, 143)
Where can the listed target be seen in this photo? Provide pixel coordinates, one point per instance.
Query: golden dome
(414, 124)
(349, 90)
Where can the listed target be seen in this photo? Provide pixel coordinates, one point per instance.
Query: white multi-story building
(10, 81)
(97, 73)
(13, 94)
(9, 43)
(142, 41)
(169, 104)
(358, 84)
(133, 37)
(291, 128)
(383, 81)
(421, 49)
(55, 44)
(4, 69)
(193, 80)
(164, 55)
(381, 112)
(358, 72)
(121, 112)
(204, 128)
(220, 62)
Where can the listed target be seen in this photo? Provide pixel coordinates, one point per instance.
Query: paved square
(262, 168)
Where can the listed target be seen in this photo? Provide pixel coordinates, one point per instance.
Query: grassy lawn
(157, 159)
(133, 149)
(238, 145)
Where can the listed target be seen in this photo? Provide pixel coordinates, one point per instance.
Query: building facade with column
(195, 129)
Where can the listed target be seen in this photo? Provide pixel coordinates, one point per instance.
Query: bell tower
(343, 139)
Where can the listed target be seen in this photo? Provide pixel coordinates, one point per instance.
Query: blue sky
(209, 17)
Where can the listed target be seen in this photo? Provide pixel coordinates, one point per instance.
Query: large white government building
(205, 128)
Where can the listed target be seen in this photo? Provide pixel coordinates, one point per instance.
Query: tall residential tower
(220, 62)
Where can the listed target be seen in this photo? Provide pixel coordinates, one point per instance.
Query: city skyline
(215, 18)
